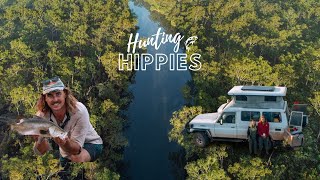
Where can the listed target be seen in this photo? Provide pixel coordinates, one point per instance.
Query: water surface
(156, 95)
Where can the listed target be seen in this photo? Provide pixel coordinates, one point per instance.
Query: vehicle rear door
(293, 135)
(296, 121)
(301, 108)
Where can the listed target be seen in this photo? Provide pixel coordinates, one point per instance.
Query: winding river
(157, 94)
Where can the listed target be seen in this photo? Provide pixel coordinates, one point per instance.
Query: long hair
(252, 123)
(71, 102)
(260, 120)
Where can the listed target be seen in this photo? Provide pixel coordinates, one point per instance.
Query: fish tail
(8, 123)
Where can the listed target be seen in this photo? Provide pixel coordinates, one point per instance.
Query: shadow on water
(178, 161)
(157, 94)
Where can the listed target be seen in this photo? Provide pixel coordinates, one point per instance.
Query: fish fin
(38, 117)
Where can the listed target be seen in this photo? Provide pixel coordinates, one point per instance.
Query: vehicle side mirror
(220, 120)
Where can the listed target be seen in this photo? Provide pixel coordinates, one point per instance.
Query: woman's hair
(71, 102)
(262, 116)
(252, 123)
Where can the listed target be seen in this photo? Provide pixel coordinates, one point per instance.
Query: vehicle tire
(201, 139)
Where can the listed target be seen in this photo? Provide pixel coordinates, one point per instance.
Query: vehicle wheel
(201, 139)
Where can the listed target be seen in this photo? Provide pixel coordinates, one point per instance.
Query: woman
(252, 137)
(263, 132)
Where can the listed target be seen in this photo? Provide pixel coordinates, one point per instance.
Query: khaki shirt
(78, 127)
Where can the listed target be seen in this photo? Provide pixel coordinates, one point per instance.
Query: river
(157, 94)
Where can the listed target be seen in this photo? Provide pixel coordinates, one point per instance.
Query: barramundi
(38, 126)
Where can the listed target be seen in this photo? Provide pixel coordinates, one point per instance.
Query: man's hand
(41, 145)
(35, 137)
(60, 142)
(68, 145)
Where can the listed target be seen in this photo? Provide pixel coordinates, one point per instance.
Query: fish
(190, 41)
(38, 126)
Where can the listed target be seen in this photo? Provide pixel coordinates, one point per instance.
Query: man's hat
(53, 84)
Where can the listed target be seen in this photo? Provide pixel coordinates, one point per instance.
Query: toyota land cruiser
(231, 121)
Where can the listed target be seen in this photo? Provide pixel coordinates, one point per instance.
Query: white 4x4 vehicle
(231, 121)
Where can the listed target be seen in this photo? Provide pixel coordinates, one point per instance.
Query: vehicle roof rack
(258, 91)
(257, 88)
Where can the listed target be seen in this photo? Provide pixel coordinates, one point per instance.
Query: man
(58, 105)
(263, 132)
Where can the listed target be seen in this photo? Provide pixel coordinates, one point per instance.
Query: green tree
(251, 43)
(28, 165)
(251, 72)
(42, 39)
(178, 121)
(205, 169)
(249, 168)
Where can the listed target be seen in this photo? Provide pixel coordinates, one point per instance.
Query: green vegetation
(78, 41)
(249, 42)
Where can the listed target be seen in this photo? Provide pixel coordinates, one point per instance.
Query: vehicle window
(229, 117)
(241, 98)
(270, 98)
(273, 116)
(296, 118)
(248, 115)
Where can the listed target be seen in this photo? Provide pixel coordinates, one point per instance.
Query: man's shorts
(94, 151)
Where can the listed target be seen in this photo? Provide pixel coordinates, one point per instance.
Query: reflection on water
(157, 94)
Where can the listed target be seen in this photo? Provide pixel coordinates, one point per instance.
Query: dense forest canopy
(79, 42)
(253, 42)
(248, 42)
